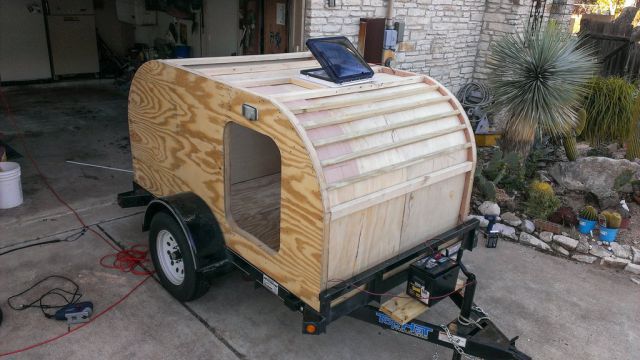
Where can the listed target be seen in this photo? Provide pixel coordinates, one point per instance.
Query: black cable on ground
(68, 297)
(72, 237)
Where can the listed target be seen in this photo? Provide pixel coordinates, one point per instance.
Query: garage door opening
(253, 176)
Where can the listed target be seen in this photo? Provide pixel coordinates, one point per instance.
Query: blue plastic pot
(182, 51)
(608, 235)
(585, 226)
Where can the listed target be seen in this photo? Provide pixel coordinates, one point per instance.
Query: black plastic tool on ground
(492, 235)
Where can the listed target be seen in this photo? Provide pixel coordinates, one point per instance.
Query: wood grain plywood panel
(364, 239)
(177, 120)
(428, 211)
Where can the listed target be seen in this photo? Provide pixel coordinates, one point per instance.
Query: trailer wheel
(173, 260)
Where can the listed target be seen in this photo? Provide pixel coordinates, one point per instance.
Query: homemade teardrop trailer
(328, 195)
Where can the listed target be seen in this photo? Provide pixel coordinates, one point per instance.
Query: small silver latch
(249, 112)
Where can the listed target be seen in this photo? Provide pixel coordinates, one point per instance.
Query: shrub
(612, 108)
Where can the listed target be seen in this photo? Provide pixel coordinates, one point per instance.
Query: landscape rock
(632, 268)
(583, 247)
(483, 222)
(636, 280)
(621, 251)
(614, 262)
(511, 219)
(559, 249)
(599, 252)
(596, 175)
(636, 255)
(489, 208)
(506, 231)
(533, 241)
(565, 241)
(584, 258)
(528, 226)
(546, 236)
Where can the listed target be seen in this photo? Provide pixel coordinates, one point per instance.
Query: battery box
(432, 278)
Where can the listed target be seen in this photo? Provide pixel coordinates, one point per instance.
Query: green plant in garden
(612, 110)
(612, 219)
(633, 144)
(504, 170)
(538, 79)
(570, 142)
(541, 201)
(589, 213)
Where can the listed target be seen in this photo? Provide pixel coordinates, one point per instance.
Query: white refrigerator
(72, 37)
(23, 41)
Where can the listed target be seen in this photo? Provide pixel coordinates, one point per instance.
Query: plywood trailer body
(326, 182)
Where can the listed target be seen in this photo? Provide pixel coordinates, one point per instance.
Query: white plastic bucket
(10, 186)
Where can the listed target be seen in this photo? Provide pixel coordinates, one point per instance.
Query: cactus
(486, 187)
(542, 187)
(570, 147)
(569, 141)
(542, 200)
(633, 144)
(589, 213)
(613, 219)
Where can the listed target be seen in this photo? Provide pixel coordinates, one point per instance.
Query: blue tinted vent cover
(339, 59)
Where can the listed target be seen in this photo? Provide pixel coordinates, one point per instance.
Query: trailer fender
(198, 223)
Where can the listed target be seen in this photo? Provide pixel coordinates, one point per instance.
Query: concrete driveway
(560, 309)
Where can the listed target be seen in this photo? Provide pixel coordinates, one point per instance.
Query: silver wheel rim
(169, 257)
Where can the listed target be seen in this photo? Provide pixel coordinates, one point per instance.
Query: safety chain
(479, 309)
(453, 342)
(456, 347)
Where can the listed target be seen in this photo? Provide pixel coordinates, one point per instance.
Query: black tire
(194, 284)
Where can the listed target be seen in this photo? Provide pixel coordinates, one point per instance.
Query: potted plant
(587, 219)
(609, 225)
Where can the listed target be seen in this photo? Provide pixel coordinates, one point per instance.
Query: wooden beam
(249, 83)
(379, 129)
(345, 100)
(374, 112)
(242, 69)
(377, 197)
(238, 59)
(384, 147)
(403, 308)
(397, 166)
(313, 94)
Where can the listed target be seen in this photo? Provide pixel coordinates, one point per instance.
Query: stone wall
(446, 39)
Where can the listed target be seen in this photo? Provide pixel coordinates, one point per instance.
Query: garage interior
(63, 105)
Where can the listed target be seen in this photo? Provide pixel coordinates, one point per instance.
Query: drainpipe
(389, 14)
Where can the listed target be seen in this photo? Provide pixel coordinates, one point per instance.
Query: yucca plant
(538, 80)
(612, 110)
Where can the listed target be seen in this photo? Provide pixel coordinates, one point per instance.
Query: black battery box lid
(441, 267)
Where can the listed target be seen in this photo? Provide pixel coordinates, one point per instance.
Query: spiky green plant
(633, 144)
(612, 108)
(589, 213)
(569, 141)
(612, 218)
(538, 79)
(542, 200)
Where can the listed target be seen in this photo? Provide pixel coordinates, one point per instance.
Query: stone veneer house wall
(446, 39)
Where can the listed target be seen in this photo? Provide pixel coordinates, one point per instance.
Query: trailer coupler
(480, 338)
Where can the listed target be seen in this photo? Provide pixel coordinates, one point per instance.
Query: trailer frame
(477, 336)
